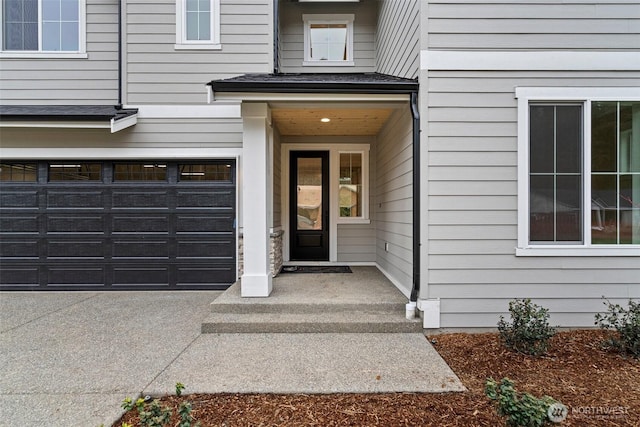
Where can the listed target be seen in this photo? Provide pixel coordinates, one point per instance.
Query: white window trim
(335, 158)
(583, 95)
(181, 29)
(309, 19)
(81, 53)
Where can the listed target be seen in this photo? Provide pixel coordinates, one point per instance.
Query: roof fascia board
(71, 124)
(311, 97)
(118, 125)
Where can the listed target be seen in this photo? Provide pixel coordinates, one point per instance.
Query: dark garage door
(117, 225)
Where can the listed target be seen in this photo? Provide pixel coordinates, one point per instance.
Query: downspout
(276, 34)
(415, 289)
(119, 104)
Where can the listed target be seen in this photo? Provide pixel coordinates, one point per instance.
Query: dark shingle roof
(65, 112)
(316, 83)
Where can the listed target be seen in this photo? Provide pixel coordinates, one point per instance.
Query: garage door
(117, 225)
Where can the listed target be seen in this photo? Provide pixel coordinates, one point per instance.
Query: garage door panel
(125, 275)
(140, 249)
(204, 275)
(143, 223)
(210, 249)
(19, 249)
(18, 224)
(76, 275)
(204, 223)
(211, 198)
(75, 224)
(19, 198)
(93, 249)
(123, 199)
(75, 200)
(19, 276)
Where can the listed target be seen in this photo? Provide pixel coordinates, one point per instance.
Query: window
(350, 189)
(205, 172)
(140, 172)
(18, 172)
(353, 189)
(198, 24)
(43, 26)
(75, 172)
(328, 40)
(579, 172)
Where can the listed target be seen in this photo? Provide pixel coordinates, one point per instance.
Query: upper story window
(198, 24)
(579, 174)
(43, 27)
(328, 40)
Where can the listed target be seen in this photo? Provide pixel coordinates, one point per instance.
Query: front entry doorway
(309, 206)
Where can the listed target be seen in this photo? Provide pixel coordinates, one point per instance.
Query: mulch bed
(599, 387)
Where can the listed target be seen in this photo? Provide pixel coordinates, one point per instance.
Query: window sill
(194, 46)
(631, 250)
(328, 64)
(44, 55)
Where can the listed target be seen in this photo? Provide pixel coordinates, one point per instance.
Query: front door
(309, 206)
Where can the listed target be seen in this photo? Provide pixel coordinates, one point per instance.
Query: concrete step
(327, 322)
(253, 306)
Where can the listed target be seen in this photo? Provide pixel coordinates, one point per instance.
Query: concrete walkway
(68, 359)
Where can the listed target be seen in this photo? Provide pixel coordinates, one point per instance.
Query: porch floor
(362, 301)
(366, 285)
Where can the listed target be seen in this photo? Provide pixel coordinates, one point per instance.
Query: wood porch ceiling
(344, 122)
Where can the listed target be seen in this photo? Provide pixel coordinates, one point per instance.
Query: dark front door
(309, 202)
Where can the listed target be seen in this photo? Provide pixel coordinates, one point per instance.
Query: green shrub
(529, 331)
(521, 409)
(626, 323)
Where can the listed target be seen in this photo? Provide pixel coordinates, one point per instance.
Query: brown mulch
(600, 388)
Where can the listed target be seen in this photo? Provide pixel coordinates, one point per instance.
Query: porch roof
(68, 116)
(374, 83)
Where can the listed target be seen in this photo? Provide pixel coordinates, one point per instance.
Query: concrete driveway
(69, 358)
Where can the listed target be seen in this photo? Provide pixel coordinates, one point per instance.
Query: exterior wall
(532, 25)
(470, 216)
(398, 40)
(277, 181)
(356, 243)
(179, 137)
(157, 73)
(91, 80)
(393, 199)
(292, 35)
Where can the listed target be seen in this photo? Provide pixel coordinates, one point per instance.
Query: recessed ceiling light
(325, 120)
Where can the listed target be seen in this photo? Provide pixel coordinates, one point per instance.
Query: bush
(626, 323)
(521, 409)
(529, 331)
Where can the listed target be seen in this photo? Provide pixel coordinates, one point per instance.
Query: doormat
(316, 269)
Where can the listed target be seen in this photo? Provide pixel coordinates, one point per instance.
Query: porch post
(256, 280)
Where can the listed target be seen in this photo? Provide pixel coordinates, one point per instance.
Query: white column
(256, 280)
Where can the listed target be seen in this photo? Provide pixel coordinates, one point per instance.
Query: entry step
(331, 322)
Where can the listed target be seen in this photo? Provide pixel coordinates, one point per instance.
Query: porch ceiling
(343, 121)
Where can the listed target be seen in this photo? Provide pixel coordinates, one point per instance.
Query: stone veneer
(275, 253)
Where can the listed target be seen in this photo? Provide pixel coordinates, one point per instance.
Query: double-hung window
(197, 24)
(44, 27)
(328, 40)
(579, 171)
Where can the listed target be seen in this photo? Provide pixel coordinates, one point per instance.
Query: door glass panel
(309, 198)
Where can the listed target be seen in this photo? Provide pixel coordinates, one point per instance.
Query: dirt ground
(599, 388)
